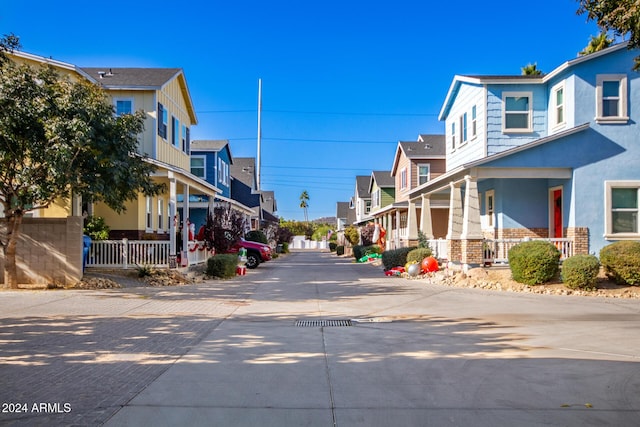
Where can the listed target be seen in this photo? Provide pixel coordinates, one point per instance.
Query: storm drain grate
(321, 323)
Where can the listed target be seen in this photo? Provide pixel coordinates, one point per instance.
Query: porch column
(455, 223)
(185, 226)
(172, 218)
(412, 222)
(389, 228)
(471, 238)
(425, 217)
(397, 230)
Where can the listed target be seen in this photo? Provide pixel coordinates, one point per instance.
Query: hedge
(359, 250)
(418, 254)
(621, 262)
(340, 250)
(395, 257)
(580, 271)
(222, 265)
(534, 262)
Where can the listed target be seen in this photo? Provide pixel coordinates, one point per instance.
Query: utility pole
(258, 160)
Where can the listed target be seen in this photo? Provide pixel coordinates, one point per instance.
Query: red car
(256, 252)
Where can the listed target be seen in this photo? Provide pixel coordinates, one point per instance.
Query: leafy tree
(597, 43)
(304, 199)
(531, 70)
(352, 235)
(366, 233)
(59, 138)
(622, 17)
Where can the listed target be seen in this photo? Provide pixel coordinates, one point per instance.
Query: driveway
(273, 348)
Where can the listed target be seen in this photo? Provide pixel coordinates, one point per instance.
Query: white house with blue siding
(551, 156)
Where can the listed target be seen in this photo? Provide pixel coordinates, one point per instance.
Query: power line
(341, 141)
(305, 167)
(327, 113)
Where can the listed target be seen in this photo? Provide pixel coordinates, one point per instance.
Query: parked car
(256, 252)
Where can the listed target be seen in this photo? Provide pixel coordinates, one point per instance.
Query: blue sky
(343, 81)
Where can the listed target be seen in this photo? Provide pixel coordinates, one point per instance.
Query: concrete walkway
(233, 353)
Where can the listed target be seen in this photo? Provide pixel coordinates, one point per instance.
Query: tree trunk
(10, 270)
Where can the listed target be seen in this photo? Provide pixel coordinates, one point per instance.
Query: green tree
(622, 17)
(59, 138)
(304, 204)
(531, 70)
(597, 43)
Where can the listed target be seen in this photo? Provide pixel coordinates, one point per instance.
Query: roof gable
(426, 147)
(212, 146)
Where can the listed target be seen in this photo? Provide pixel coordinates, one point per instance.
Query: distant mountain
(331, 220)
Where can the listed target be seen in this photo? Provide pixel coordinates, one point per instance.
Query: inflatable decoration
(429, 265)
(395, 271)
(413, 270)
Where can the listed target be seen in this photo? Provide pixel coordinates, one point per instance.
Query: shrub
(285, 248)
(395, 257)
(621, 262)
(340, 250)
(352, 235)
(96, 228)
(333, 246)
(534, 262)
(222, 265)
(418, 254)
(358, 251)
(580, 271)
(256, 236)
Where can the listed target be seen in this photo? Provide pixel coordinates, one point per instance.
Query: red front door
(557, 213)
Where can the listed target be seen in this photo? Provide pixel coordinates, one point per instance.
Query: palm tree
(304, 198)
(597, 43)
(531, 70)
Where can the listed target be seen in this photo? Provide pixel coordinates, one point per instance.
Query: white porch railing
(439, 248)
(131, 253)
(496, 251)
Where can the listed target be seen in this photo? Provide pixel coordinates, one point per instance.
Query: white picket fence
(496, 251)
(133, 253)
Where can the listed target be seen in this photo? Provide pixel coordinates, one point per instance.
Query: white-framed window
(149, 214)
(463, 129)
(517, 112)
(403, 179)
(223, 172)
(123, 106)
(198, 166)
(453, 135)
(474, 122)
(160, 215)
(175, 134)
(367, 206)
(424, 173)
(621, 209)
(557, 108)
(611, 98)
(375, 196)
(489, 208)
(163, 119)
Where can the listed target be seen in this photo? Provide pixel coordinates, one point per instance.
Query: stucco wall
(49, 250)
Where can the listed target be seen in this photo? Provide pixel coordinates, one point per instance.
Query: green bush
(96, 228)
(222, 265)
(352, 235)
(417, 255)
(285, 248)
(339, 250)
(621, 262)
(256, 236)
(395, 257)
(580, 271)
(534, 262)
(333, 246)
(359, 251)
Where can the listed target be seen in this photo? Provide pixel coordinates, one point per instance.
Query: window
(463, 128)
(223, 172)
(453, 135)
(123, 106)
(611, 98)
(376, 198)
(424, 171)
(175, 132)
(489, 209)
(474, 125)
(367, 207)
(162, 121)
(621, 209)
(516, 112)
(558, 105)
(149, 216)
(160, 214)
(198, 166)
(403, 179)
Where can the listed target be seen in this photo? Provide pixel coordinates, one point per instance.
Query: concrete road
(269, 350)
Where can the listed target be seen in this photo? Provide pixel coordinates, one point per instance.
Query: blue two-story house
(553, 156)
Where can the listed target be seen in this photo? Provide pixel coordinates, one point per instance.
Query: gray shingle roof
(243, 169)
(384, 179)
(426, 146)
(362, 186)
(209, 145)
(132, 77)
(342, 210)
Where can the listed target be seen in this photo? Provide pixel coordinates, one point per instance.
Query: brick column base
(580, 236)
(472, 252)
(454, 248)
